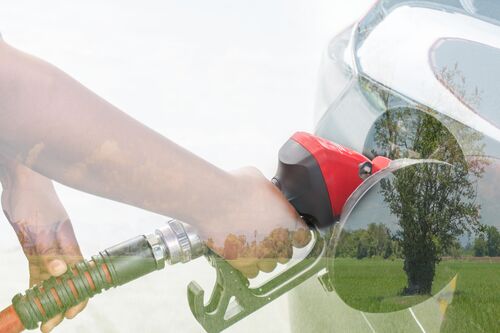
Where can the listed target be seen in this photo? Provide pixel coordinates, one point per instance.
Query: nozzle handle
(233, 298)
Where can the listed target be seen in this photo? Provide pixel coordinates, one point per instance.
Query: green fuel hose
(112, 267)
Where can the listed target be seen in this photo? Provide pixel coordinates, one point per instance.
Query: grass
(375, 285)
(476, 304)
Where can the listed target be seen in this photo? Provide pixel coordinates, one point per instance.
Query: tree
(374, 241)
(487, 243)
(480, 247)
(455, 250)
(492, 241)
(434, 203)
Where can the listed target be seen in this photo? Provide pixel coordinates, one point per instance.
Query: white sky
(229, 80)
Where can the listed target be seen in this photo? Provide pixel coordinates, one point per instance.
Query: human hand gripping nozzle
(315, 175)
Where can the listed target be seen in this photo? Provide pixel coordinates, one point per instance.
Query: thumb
(56, 266)
(40, 245)
(68, 250)
(47, 248)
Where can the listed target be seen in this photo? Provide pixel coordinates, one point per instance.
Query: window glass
(471, 71)
(489, 8)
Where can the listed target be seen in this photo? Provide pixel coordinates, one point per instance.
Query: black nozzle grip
(300, 179)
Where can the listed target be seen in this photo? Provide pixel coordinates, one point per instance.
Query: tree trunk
(420, 271)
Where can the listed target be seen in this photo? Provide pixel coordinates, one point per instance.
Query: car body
(402, 63)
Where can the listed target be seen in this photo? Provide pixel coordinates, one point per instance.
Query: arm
(54, 125)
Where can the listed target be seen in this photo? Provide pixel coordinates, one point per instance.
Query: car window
(489, 8)
(471, 71)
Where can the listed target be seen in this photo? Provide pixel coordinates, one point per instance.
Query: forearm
(54, 125)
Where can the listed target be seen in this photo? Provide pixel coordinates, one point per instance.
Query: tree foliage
(480, 247)
(488, 243)
(434, 203)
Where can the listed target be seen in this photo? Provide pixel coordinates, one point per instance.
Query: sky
(228, 80)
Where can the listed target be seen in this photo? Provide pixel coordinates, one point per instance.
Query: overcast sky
(229, 80)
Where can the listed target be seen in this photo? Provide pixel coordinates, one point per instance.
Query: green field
(375, 285)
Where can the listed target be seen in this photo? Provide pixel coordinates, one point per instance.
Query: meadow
(376, 285)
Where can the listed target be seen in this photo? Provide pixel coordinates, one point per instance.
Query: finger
(72, 312)
(281, 236)
(68, 245)
(247, 266)
(301, 237)
(51, 323)
(70, 250)
(267, 265)
(268, 258)
(282, 244)
(250, 272)
(37, 272)
(47, 247)
(284, 255)
(283, 260)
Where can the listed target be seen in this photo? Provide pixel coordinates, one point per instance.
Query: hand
(258, 228)
(42, 226)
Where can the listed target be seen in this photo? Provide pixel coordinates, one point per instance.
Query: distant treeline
(488, 243)
(375, 241)
(378, 241)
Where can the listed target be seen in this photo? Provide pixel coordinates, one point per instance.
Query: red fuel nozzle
(317, 176)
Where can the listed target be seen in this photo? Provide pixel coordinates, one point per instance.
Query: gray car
(415, 80)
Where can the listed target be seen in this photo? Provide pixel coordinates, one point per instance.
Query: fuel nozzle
(175, 242)
(316, 176)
